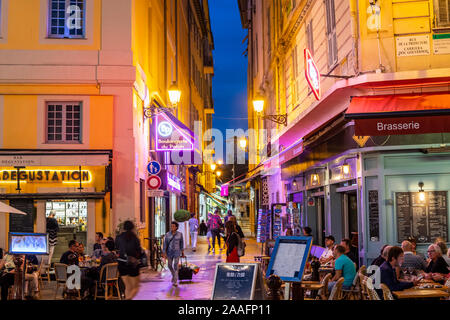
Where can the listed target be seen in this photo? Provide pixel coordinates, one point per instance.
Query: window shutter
(443, 13)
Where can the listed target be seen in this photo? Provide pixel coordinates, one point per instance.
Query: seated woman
(108, 257)
(437, 268)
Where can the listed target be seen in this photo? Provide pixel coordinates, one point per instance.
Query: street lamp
(219, 173)
(243, 143)
(421, 192)
(213, 166)
(258, 106)
(174, 94)
(220, 162)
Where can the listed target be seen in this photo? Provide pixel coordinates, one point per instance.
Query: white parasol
(8, 209)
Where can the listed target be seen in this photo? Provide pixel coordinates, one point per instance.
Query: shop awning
(400, 114)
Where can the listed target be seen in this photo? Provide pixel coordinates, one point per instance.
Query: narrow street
(157, 285)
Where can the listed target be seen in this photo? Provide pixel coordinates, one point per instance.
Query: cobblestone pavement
(158, 286)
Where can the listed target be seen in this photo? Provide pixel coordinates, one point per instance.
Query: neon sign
(173, 182)
(170, 137)
(312, 74)
(48, 176)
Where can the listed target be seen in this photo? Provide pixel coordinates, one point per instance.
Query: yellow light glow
(213, 167)
(174, 94)
(220, 162)
(218, 173)
(421, 196)
(243, 143)
(346, 169)
(258, 105)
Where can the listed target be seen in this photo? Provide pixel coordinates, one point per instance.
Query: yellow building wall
(24, 27)
(101, 124)
(19, 122)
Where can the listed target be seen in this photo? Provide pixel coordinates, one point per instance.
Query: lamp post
(258, 106)
(174, 95)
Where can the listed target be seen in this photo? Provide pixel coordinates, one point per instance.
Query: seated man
(98, 241)
(350, 251)
(382, 257)
(327, 256)
(344, 267)
(411, 261)
(73, 248)
(388, 274)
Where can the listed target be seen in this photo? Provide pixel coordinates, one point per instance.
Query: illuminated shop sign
(312, 74)
(48, 176)
(170, 136)
(173, 182)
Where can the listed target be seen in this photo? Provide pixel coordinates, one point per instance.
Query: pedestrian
(237, 226)
(215, 224)
(130, 251)
(232, 242)
(173, 250)
(229, 214)
(208, 231)
(193, 230)
(203, 229)
(52, 230)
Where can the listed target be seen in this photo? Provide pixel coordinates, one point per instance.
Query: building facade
(77, 81)
(354, 149)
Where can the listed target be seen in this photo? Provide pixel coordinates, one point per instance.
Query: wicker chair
(372, 294)
(363, 270)
(387, 294)
(44, 270)
(354, 293)
(336, 292)
(110, 273)
(61, 280)
(323, 293)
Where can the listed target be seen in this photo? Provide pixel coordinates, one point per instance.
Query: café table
(425, 289)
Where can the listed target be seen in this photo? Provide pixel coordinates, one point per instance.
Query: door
(320, 221)
(350, 215)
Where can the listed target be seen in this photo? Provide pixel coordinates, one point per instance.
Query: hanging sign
(312, 74)
(170, 136)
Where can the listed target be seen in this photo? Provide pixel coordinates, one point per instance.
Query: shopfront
(78, 195)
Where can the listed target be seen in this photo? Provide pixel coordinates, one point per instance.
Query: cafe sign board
(441, 43)
(413, 46)
(312, 74)
(45, 176)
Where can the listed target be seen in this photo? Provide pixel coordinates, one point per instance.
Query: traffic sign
(154, 167)
(154, 182)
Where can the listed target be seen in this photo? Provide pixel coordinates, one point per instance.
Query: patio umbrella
(8, 209)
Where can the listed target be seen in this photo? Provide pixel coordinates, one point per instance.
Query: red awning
(398, 106)
(400, 114)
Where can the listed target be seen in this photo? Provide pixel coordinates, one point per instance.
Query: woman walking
(173, 250)
(129, 248)
(52, 230)
(232, 242)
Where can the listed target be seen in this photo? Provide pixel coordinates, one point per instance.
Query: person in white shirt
(327, 256)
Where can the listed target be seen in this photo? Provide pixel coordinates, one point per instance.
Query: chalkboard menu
(19, 222)
(424, 220)
(374, 221)
(237, 281)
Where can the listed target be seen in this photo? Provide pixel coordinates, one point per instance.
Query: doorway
(350, 215)
(320, 221)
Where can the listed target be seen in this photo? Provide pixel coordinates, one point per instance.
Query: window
(63, 122)
(331, 33)
(442, 13)
(66, 19)
(309, 37)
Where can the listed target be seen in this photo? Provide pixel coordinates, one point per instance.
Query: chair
(323, 293)
(44, 270)
(61, 280)
(372, 294)
(364, 292)
(387, 294)
(363, 270)
(354, 293)
(111, 281)
(336, 292)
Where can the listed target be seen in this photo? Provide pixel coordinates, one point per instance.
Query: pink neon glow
(178, 130)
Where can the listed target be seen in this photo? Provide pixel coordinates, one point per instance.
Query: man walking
(193, 230)
(173, 250)
(215, 223)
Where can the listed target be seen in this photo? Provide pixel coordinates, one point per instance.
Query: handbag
(185, 272)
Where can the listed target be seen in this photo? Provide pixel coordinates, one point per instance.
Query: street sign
(155, 193)
(154, 167)
(312, 74)
(154, 182)
(361, 140)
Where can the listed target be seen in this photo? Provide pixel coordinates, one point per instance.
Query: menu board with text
(424, 220)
